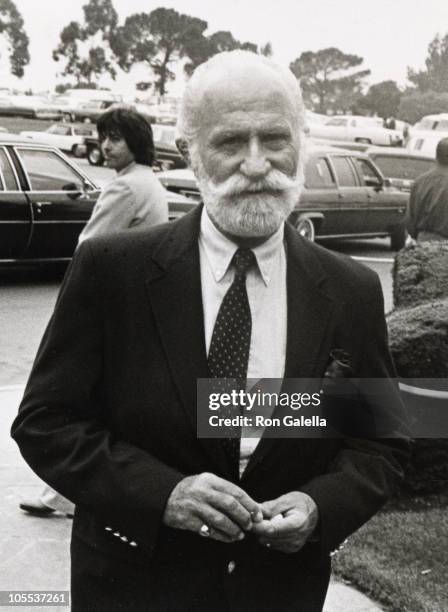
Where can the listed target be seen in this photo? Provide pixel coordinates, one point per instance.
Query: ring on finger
(204, 531)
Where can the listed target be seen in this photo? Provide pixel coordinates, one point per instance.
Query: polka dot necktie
(228, 355)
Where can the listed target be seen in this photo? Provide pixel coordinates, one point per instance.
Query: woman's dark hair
(133, 128)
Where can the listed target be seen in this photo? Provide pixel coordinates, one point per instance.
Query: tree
(435, 76)
(157, 39)
(326, 80)
(414, 105)
(12, 30)
(382, 99)
(86, 47)
(200, 49)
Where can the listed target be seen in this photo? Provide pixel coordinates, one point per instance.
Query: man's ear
(182, 147)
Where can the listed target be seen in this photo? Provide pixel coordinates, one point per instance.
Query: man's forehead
(243, 120)
(246, 96)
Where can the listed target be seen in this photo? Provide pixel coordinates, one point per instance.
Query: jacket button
(231, 566)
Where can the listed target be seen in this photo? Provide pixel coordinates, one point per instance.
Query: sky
(389, 34)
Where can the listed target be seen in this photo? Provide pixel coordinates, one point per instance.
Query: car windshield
(403, 167)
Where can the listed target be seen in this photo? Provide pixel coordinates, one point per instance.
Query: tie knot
(243, 260)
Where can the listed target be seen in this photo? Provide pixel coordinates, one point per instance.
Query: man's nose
(255, 164)
(105, 145)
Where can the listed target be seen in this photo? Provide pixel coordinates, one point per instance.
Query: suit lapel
(175, 296)
(309, 311)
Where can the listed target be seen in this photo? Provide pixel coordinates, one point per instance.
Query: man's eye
(230, 142)
(276, 139)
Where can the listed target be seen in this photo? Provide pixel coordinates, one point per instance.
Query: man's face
(116, 151)
(246, 155)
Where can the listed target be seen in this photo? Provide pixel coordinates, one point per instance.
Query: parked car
(345, 195)
(427, 133)
(430, 123)
(400, 166)
(68, 137)
(87, 111)
(28, 106)
(45, 201)
(167, 154)
(355, 129)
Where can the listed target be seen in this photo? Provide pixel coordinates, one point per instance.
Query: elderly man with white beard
(165, 519)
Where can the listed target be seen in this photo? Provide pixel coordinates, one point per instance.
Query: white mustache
(274, 182)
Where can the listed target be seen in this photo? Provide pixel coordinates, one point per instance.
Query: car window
(442, 126)
(426, 124)
(49, 172)
(318, 174)
(367, 172)
(403, 167)
(344, 171)
(60, 130)
(84, 131)
(7, 174)
(337, 122)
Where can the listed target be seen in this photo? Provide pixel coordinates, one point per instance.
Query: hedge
(418, 338)
(420, 274)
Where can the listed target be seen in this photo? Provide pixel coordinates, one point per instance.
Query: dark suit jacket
(109, 420)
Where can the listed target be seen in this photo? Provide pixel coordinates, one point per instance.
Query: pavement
(34, 553)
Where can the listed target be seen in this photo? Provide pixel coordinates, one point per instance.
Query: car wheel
(95, 156)
(305, 227)
(397, 238)
(363, 140)
(77, 151)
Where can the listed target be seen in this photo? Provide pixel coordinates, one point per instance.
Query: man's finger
(212, 532)
(217, 520)
(290, 523)
(251, 506)
(232, 508)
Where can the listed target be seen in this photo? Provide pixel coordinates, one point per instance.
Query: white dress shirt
(266, 290)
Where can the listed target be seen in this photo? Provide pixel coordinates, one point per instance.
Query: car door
(386, 207)
(320, 195)
(15, 211)
(352, 196)
(61, 197)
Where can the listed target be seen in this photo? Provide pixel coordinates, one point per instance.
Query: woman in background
(135, 198)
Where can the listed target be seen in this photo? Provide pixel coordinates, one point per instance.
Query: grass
(400, 557)
(19, 124)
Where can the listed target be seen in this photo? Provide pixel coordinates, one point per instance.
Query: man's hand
(207, 499)
(288, 522)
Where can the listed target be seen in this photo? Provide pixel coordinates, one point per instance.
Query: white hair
(227, 64)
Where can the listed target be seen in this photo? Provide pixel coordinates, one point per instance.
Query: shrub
(418, 336)
(418, 339)
(420, 274)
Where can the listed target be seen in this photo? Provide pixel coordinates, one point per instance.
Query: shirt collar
(219, 249)
(126, 169)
